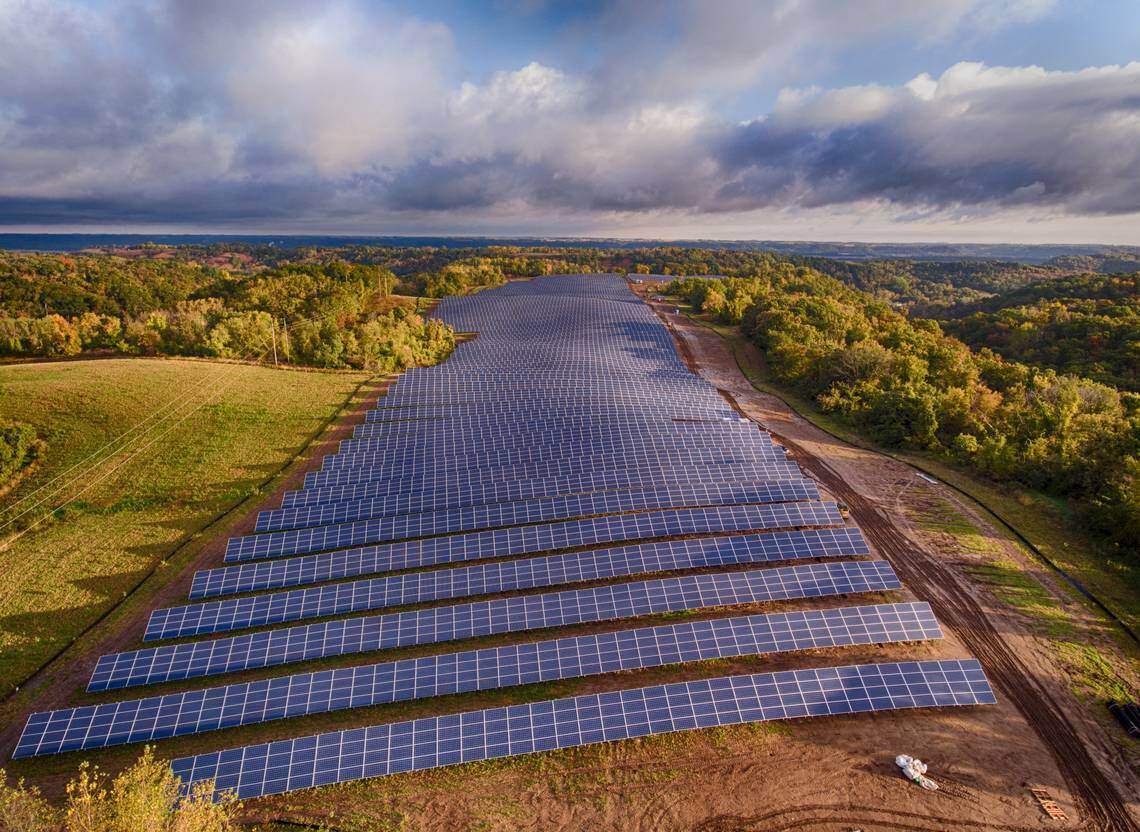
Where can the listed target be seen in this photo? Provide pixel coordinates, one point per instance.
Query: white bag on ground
(915, 770)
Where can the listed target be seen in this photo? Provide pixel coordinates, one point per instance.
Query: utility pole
(273, 329)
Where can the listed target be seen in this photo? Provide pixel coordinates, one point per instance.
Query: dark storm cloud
(216, 113)
(975, 137)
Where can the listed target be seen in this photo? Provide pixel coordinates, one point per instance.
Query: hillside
(238, 425)
(1081, 325)
(903, 383)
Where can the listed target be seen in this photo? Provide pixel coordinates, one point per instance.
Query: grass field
(64, 574)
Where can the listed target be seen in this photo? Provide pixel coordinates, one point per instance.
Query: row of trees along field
(55, 305)
(907, 384)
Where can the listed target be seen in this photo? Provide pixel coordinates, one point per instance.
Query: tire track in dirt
(1097, 800)
(847, 816)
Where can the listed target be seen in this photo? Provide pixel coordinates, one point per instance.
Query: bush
(144, 798)
(18, 447)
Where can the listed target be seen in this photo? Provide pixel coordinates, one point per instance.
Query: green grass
(1022, 591)
(65, 574)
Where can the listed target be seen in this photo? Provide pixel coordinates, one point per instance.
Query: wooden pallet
(1048, 805)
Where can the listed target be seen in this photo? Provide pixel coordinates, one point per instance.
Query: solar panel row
(525, 512)
(567, 534)
(482, 436)
(341, 756)
(639, 558)
(499, 421)
(455, 472)
(485, 433)
(631, 474)
(703, 493)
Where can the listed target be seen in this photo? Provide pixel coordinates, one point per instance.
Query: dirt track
(1046, 706)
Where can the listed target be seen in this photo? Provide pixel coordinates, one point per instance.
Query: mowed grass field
(64, 574)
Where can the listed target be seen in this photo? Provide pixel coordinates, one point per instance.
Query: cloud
(976, 136)
(347, 114)
(676, 49)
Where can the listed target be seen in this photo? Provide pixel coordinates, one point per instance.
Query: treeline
(906, 384)
(1121, 263)
(317, 306)
(317, 315)
(682, 261)
(1084, 325)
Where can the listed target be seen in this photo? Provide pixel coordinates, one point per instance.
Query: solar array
(342, 756)
(158, 717)
(651, 519)
(661, 556)
(484, 618)
(568, 467)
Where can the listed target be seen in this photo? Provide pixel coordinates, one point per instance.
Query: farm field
(63, 575)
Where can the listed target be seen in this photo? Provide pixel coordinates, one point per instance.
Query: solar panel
(534, 421)
(549, 509)
(644, 476)
(521, 540)
(376, 465)
(570, 396)
(561, 505)
(634, 559)
(449, 472)
(503, 615)
(175, 714)
(546, 407)
(484, 438)
(504, 576)
(431, 742)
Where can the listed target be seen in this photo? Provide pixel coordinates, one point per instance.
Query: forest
(905, 383)
(1086, 325)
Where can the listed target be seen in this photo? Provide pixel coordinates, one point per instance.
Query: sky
(872, 120)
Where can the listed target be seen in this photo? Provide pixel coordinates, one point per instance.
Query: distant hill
(1006, 252)
(1116, 263)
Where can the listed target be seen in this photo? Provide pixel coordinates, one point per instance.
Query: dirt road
(1079, 750)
